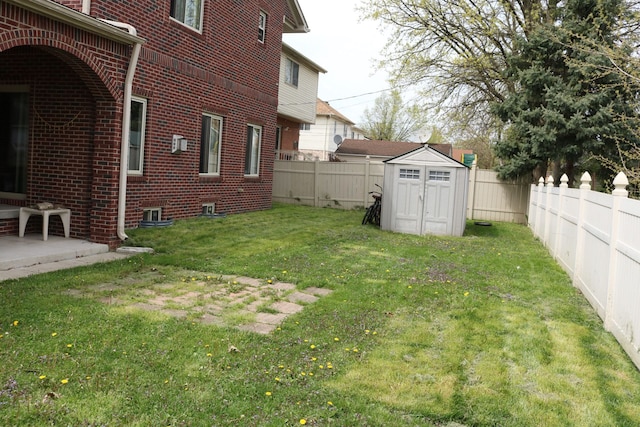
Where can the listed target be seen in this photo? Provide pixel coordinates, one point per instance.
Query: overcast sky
(347, 48)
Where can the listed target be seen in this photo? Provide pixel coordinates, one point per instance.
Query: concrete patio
(24, 256)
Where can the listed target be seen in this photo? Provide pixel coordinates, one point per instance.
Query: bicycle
(372, 215)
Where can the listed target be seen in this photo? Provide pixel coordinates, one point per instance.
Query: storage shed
(424, 192)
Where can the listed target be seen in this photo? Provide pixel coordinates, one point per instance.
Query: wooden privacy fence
(346, 185)
(595, 237)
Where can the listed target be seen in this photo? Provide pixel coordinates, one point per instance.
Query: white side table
(65, 216)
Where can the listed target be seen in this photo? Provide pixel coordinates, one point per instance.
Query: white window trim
(289, 73)
(147, 214)
(262, 27)
(200, 24)
(214, 117)
(208, 208)
(253, 175)
(142, 138)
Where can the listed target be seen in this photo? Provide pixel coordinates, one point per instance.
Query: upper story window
(305, 126)
(252, 153)
(291, 71)
(262, 27)
(210, 140)
(189, 12)
(136, 135)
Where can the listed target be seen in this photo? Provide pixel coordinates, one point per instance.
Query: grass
(482, 330)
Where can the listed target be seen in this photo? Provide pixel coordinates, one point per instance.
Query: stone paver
(318, 291)
(209, 303)
(286, 307)
(302, 297)
(271, 319)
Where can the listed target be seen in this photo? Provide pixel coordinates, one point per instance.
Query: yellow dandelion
(284, 271)
(330, 403)
(53, 334)
(64, 381)
(310, 374)
(269, 281)
(268, 393)
(355, 350)
(277, 379)
(193, 279)
(313, 359)
(366, 331)
(466, 294)
(320, 367)
(88, 377)
(209, 354)
(69, 345)
(312, 346)
(336, 339)
(166, 381)
(303, 421)
(15, 323)
(375, 333)
(42, 377)
(410, 287)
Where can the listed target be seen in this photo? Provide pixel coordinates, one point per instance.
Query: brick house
(182, 94)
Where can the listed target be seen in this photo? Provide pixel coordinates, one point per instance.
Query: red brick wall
(224, 71)
(290, 135)
(77, 110)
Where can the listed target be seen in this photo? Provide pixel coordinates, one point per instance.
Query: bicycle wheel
(376, 214)
(368, 215)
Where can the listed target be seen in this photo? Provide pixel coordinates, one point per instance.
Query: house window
(189, 12)
(410, 173)
(252, 154)
(152, 214)
(208, 208)
(136, 135)
(210, 140)
(305, 126)
(262, 27)
(344, 130)
(291, 71)
(439, 176)
(14, 143)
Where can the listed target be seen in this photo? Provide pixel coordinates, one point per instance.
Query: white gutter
(126, 123)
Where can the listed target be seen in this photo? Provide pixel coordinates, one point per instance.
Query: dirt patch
(243, 302)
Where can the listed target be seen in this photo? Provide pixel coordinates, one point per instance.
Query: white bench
(65, 216)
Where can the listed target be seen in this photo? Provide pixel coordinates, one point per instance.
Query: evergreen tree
(564, 105)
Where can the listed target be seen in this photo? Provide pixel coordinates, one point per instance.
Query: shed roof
(425, 155)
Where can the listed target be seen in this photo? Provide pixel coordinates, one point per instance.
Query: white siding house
(320, 140)
(297, 94)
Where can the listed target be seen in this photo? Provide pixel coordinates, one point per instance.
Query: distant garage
(425, 192)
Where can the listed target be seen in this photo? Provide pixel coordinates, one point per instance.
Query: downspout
(86, 7)
(126, 122)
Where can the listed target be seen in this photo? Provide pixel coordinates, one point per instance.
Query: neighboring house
(352, 150)
(297, 94)
(124, 111)
(320, 140)
(358, 150)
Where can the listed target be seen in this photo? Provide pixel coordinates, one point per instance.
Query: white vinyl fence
(346, 185)
(595, 237)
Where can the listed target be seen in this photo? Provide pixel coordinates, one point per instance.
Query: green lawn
(482, 330)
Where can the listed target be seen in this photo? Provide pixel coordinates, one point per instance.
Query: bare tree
(391, 120)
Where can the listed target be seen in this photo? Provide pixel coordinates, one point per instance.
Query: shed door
(409, 188)
(438, 210)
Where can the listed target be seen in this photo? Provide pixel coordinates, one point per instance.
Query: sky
(348, 48)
